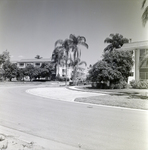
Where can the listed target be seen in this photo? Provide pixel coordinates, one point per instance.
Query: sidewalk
(24, 141)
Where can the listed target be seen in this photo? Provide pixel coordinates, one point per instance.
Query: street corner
(62, 93)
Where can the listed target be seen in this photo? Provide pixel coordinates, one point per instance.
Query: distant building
(35, 62)
(140, 49)
(81, 74)
(61, 70)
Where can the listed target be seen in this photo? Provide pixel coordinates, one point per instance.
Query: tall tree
(121, 61)
(57, 58)
(76, 42)
(77, 66)
(115, 41)
(65, 47)
(69, 48)
(145, 13)
(103, 72)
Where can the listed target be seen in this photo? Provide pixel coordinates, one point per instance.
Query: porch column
(137, 56)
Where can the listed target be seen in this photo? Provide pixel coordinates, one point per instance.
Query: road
(86, 126)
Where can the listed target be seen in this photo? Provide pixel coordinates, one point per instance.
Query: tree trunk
(66, 74)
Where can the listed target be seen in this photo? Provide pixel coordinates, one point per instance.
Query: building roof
(35, 60)
(134, 45)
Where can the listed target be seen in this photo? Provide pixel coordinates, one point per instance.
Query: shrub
(121, 85)
(62, 79)
(139, 84)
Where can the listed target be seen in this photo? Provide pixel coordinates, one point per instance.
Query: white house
(61, 70)
(139, 51)
(35, 62)
(81, 74)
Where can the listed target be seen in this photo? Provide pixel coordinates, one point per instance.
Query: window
(147, 75)
(21, 64)
(63, 72)
(28, 64)
(142, 75)
(143, 52)
(132, 74)
(37, 64)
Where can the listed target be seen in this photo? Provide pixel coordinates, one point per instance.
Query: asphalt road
(88, 127)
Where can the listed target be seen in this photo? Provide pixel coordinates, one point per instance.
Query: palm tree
(64, 46)
(57, 57)
(115, 41)
(145, 13)
(75, 43)
(77, 66)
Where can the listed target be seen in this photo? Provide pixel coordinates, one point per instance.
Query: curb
(39, 141)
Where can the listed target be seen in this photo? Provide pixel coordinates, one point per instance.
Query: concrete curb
(45, 143)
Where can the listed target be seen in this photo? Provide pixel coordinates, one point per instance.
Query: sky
(31, 27)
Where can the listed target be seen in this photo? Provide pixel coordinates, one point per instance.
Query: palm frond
(84, 44)
(83, 62)
(143, 3)
(73, 37)
(145, 16)
(108, 40)
(58, 42)
(112, 35)
(81, 39)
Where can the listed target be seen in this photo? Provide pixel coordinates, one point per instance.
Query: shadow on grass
(134, 95)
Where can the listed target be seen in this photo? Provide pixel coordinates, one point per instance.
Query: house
(81, 74)
(35, 62)
(139, 51)
(61, 70)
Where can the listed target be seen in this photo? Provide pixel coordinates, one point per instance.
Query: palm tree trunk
(66, 66)
(58, 69)
(66, 74)
(75, 74)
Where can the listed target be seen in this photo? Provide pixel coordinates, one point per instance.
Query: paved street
(77, 125)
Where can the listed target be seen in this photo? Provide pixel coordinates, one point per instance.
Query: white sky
(31, 27)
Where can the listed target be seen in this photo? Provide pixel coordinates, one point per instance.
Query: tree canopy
(115, 66)
(10, 70)
(68, 50)
(5, 56)
(115, 41)
(121, 61)
(145, 13)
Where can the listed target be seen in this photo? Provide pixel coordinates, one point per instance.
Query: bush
(62, 79)
(121, 85)
(99, 85)
(139, 84)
